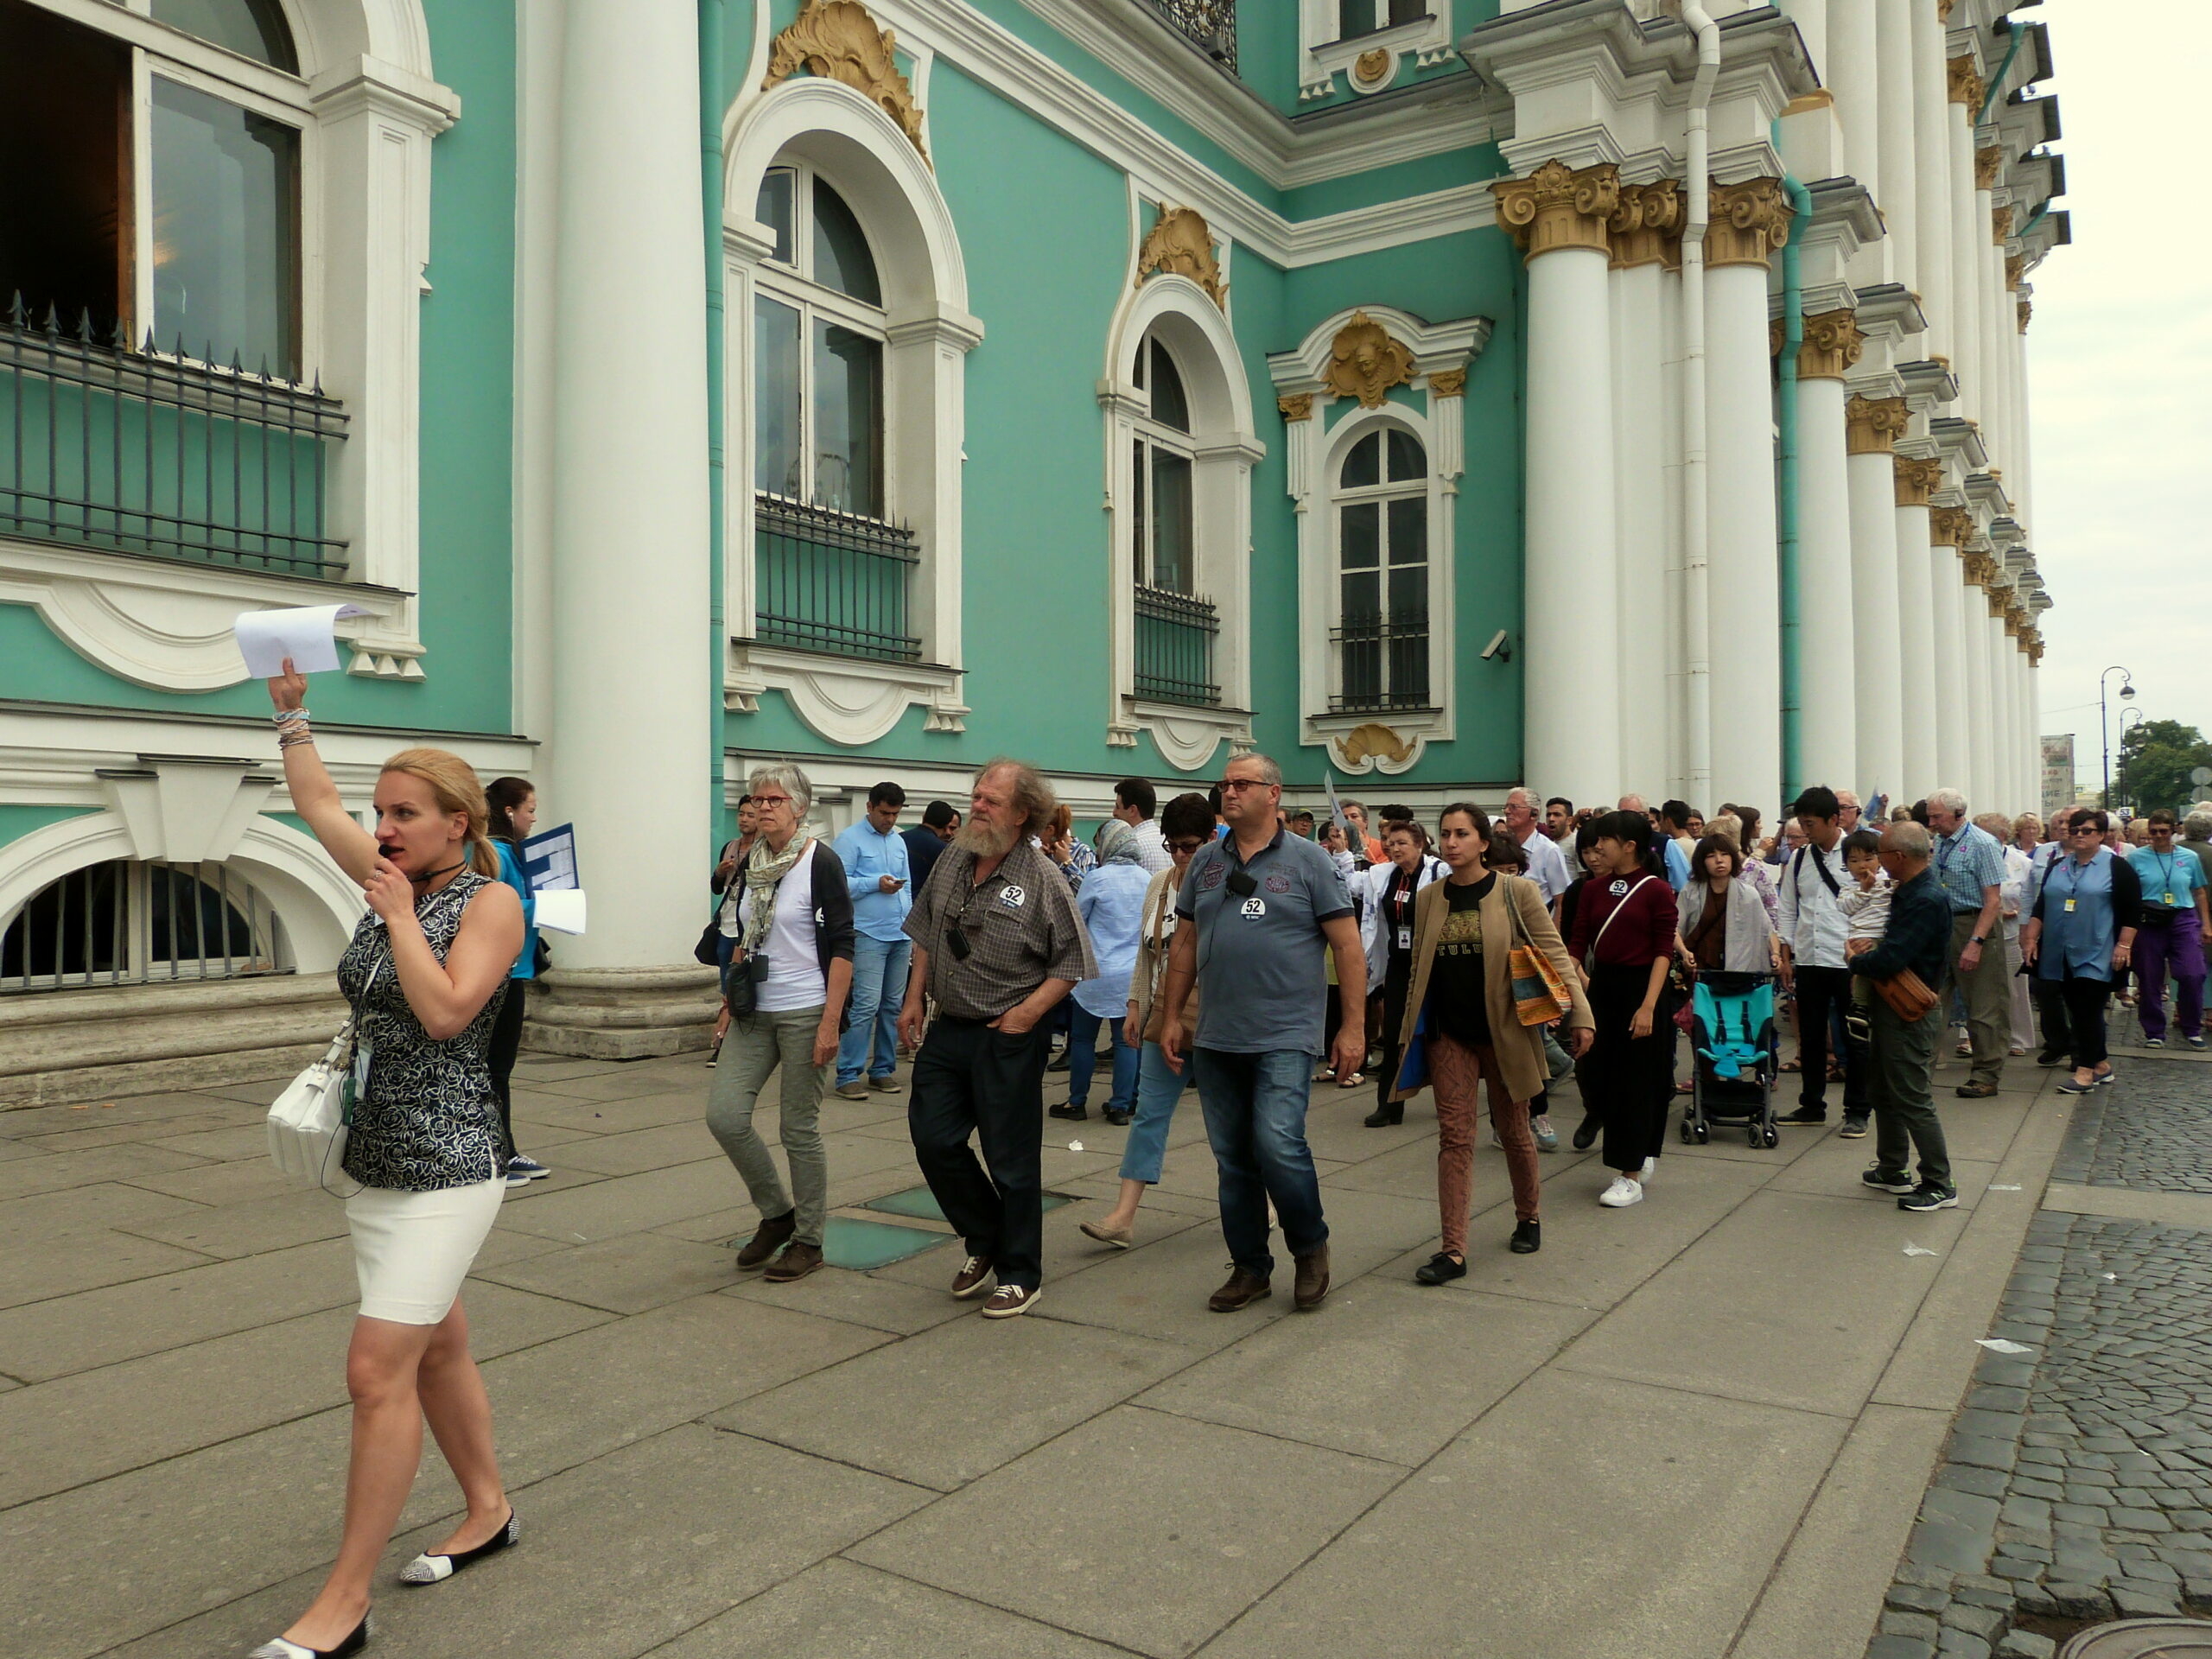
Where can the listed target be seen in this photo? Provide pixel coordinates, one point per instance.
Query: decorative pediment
(1365, 362)
(1180, 242)
(838, 40)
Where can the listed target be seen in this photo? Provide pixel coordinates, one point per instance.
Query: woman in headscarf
(1110, 901)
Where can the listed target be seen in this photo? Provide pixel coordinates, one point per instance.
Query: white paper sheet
(1998, 1345)
(561, 910)
(306, 635)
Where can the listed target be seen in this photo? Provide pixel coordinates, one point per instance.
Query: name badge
(2069, 907)
(2165, 899)
(1255, 908)
(1013, 898)
(1405, 939)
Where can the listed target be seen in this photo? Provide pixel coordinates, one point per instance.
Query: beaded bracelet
(291, 717)
(291, 738)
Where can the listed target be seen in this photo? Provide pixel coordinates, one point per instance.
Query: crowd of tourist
(1220, 943)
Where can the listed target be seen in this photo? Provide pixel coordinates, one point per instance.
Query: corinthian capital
(1832, 345)
(1987, 164)
(1749, 221)
(1647, 224)
(1964, 83)
(1872, 426)
(1949, 527)
(1915, 479)
(1558, 207)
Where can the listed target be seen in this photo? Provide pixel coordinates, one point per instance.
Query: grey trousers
(1904, 1112)
(1988, 994)
(756, 1044)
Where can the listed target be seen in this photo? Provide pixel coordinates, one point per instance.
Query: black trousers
(499, 1053)
(2082, 1000)
(970, 1079)
(2051, 1014)
(1823, 993)
(1627, 1081)
(1395, 989)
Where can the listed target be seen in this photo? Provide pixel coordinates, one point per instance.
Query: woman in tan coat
(1461, 1028)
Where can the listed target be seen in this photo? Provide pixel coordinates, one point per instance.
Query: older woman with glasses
(2081, 939)
(789, 977)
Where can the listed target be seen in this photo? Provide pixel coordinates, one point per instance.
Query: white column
(1977, 704)
(1921, 729)
(1930, 130)
(1573, 741)
(1744, 597)
(1947, 613)
(1829, 693)
(634, 683)
(1968, 238)
(1649, 669)
(1871, 427)
(2022, 475)
(1898, 191)
(1854, 76)
(1996, 318)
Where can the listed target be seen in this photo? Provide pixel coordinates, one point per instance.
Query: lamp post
(2104, 730)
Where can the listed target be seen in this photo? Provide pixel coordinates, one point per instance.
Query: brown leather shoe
(975, 1273)
(1313, 1281)
(772, 1236)
(1975, 1090)
(1241, 1291)
(796, 1263)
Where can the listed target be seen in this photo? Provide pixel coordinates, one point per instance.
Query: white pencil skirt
(412, 1249)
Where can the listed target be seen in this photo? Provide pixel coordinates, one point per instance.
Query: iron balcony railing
(1383, 663)
(121, 923)
(832, 582)
(1174, 654)
(1211, 25)
(135, 449)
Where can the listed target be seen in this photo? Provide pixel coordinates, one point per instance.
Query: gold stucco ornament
(1364, 362)
(838, 40)
(1180, 241)
(1373, 741)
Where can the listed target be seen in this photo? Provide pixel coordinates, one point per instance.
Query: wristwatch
(1979, 938)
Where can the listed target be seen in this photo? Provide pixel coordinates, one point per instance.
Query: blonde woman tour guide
(424, 973)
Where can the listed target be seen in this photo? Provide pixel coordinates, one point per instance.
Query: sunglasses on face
(1184, 844)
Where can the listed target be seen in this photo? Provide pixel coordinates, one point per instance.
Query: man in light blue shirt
(877, 868)
(1970, 868)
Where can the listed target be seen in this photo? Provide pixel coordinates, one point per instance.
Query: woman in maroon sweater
(1622, 940)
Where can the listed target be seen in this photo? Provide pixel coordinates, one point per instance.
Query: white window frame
(1325, 54)
(367, 109)
(928, 333)
(1223, 451)
(1317, 446)
(1429, 488)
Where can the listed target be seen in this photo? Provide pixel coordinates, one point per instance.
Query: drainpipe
(1997, 81)
(1696, 532)
(1793, 336)
(711, 191)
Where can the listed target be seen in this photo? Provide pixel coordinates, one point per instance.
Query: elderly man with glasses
(1263, 907)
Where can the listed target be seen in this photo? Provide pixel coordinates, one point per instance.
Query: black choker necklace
(433, 875)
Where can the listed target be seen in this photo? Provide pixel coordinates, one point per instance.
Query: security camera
(1498, 647)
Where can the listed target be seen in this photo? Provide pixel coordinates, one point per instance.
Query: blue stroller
(1739, 1057)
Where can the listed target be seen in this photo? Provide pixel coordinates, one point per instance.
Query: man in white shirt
(1812, 928)
(1134, 802)
(1547, 863)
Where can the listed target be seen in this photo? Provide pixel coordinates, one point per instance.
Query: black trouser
(2050, 1014)
(1395, 986)
(1822, 995)
(971, 1079)
(1627, 1081)
(2082, 1000)
(500, 1054)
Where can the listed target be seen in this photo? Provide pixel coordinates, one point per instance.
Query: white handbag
(308, 1124)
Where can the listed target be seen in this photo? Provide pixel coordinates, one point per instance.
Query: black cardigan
(833, 912)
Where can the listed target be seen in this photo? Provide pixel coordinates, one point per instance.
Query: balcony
(1210, 25)
(830, 582)
(1174, 649)
(1382, 664)
(130, 450)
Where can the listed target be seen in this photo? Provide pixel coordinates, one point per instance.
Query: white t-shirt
(794, 971)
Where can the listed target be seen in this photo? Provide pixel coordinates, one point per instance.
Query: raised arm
(314, 798)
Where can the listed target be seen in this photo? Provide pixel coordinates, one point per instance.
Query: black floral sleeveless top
(428, 1118)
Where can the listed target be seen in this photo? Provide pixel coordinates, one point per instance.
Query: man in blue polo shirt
(1970, 868)
(1263, 907)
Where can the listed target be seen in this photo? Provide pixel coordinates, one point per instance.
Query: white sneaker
(1650, 1167)
(1625, 1191)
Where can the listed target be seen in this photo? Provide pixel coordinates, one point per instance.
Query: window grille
(1210, 25)
(1174, 648)
(832, 582)
(129, 923)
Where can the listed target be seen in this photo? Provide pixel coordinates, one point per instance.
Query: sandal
(1793, 1065)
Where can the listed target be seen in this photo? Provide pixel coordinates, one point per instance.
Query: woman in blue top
(1110, 902)
(2080, 938)
(514, 815)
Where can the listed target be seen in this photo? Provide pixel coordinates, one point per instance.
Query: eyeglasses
(1232, 786)
(2084, 829)
(1184, 844)
(760, 801)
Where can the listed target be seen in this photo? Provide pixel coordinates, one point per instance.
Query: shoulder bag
(1590, 956)
(1907, 994)
(310, 1121)
(1540, 996)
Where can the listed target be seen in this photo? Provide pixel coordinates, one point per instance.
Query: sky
(2119, 377)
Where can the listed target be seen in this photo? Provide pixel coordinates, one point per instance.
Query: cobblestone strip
(2151, 1131)
(2077, 1482)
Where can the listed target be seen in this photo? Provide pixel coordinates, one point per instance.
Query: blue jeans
(1083, 1042)
(1160, 1091)
(1255, 1118)
(879, 987)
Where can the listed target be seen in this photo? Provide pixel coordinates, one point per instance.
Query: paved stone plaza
(1701, 1427)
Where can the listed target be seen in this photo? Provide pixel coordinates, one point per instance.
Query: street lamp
(2104, 731)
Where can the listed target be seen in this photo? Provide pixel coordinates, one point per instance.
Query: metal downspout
(1696, 523)
(2018, 32)
(710, 190)
(1786, 487)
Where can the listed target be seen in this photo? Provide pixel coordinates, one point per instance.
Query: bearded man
(998, 944)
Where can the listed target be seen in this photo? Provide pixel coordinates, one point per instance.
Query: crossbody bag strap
(1616, 911)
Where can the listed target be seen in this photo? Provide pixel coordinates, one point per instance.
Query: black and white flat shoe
(435, 1569)
(278, 1647)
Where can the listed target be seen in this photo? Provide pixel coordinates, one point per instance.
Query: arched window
(139, 921)
(1383, 558)
(1175, 623)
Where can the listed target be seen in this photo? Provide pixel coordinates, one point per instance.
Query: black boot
(1386, 1118)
